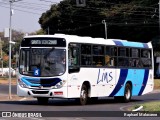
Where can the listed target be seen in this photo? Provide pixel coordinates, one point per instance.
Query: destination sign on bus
(44, 42)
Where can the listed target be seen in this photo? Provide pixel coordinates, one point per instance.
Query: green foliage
(40, 32)
(149, 106)
(16, 37)
(126, 19)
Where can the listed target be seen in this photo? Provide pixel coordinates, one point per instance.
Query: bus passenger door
(73, 70)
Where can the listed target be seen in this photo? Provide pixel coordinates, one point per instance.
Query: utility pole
(159, 17)
(1, 56)
(48, 30)
(81, 3)
(10, 43)
(105, 28)
(10, 39)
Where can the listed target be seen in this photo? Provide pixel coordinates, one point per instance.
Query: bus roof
(90, 40)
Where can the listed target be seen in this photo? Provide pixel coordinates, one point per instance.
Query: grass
(157, 84)
(152, 106)
(149, 106)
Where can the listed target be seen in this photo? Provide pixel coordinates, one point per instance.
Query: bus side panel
(105, 83)
(101, 81)
(149, 83)
(76, 80)
(135, 76)
(110, 82)
(74, 85)
(138, 79)
(121, 75)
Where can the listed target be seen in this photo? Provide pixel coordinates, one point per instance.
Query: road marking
(123, 107)
(138, 109)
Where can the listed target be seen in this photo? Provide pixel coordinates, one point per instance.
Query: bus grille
(39, 92)
(33, 81)
(43, 82)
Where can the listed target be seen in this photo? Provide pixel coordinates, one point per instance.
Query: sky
(26, 14)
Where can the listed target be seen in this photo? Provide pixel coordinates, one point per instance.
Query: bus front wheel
(83, 95)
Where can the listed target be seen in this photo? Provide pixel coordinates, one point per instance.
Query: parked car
(5, 72)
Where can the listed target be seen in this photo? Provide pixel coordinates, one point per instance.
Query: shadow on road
(72, 102)
(66, 102)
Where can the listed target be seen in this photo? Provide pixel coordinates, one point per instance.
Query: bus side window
(107, 60)
(146, 58)
(73, 59)
(110, 56)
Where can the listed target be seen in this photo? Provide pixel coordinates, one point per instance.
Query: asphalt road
(102, 105)
(4, 89)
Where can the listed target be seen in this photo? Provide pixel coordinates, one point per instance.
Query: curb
(5, 97)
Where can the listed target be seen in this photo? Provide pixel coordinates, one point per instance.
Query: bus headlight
(22, 84)
(60, 84)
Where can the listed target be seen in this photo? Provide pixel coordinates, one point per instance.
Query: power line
(31, 3)
(22, 10)
(48, 1)
(28, 7)
(25, 6)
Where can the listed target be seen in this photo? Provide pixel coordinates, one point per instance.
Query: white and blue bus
(83, 68)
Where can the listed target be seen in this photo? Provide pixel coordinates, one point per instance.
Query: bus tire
(42, 100)
(83, 95)
(127, 93)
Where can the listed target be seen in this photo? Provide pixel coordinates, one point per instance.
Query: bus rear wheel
(42, 100)
(127, 94)
(83, 95)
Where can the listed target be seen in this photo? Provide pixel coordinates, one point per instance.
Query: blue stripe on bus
(121, 81)
(118, 43)
(131, 44)
(135, 76)
(146, 74)
(145, 45)
(34, 82)
(137, 80)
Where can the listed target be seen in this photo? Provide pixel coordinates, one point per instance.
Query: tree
(129, 19)
(17, 36)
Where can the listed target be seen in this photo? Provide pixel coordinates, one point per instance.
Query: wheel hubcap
(83, 96)
(128, 94)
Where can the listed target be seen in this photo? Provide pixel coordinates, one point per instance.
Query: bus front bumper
(42, 92)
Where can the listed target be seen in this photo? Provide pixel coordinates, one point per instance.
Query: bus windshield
(42, 62)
